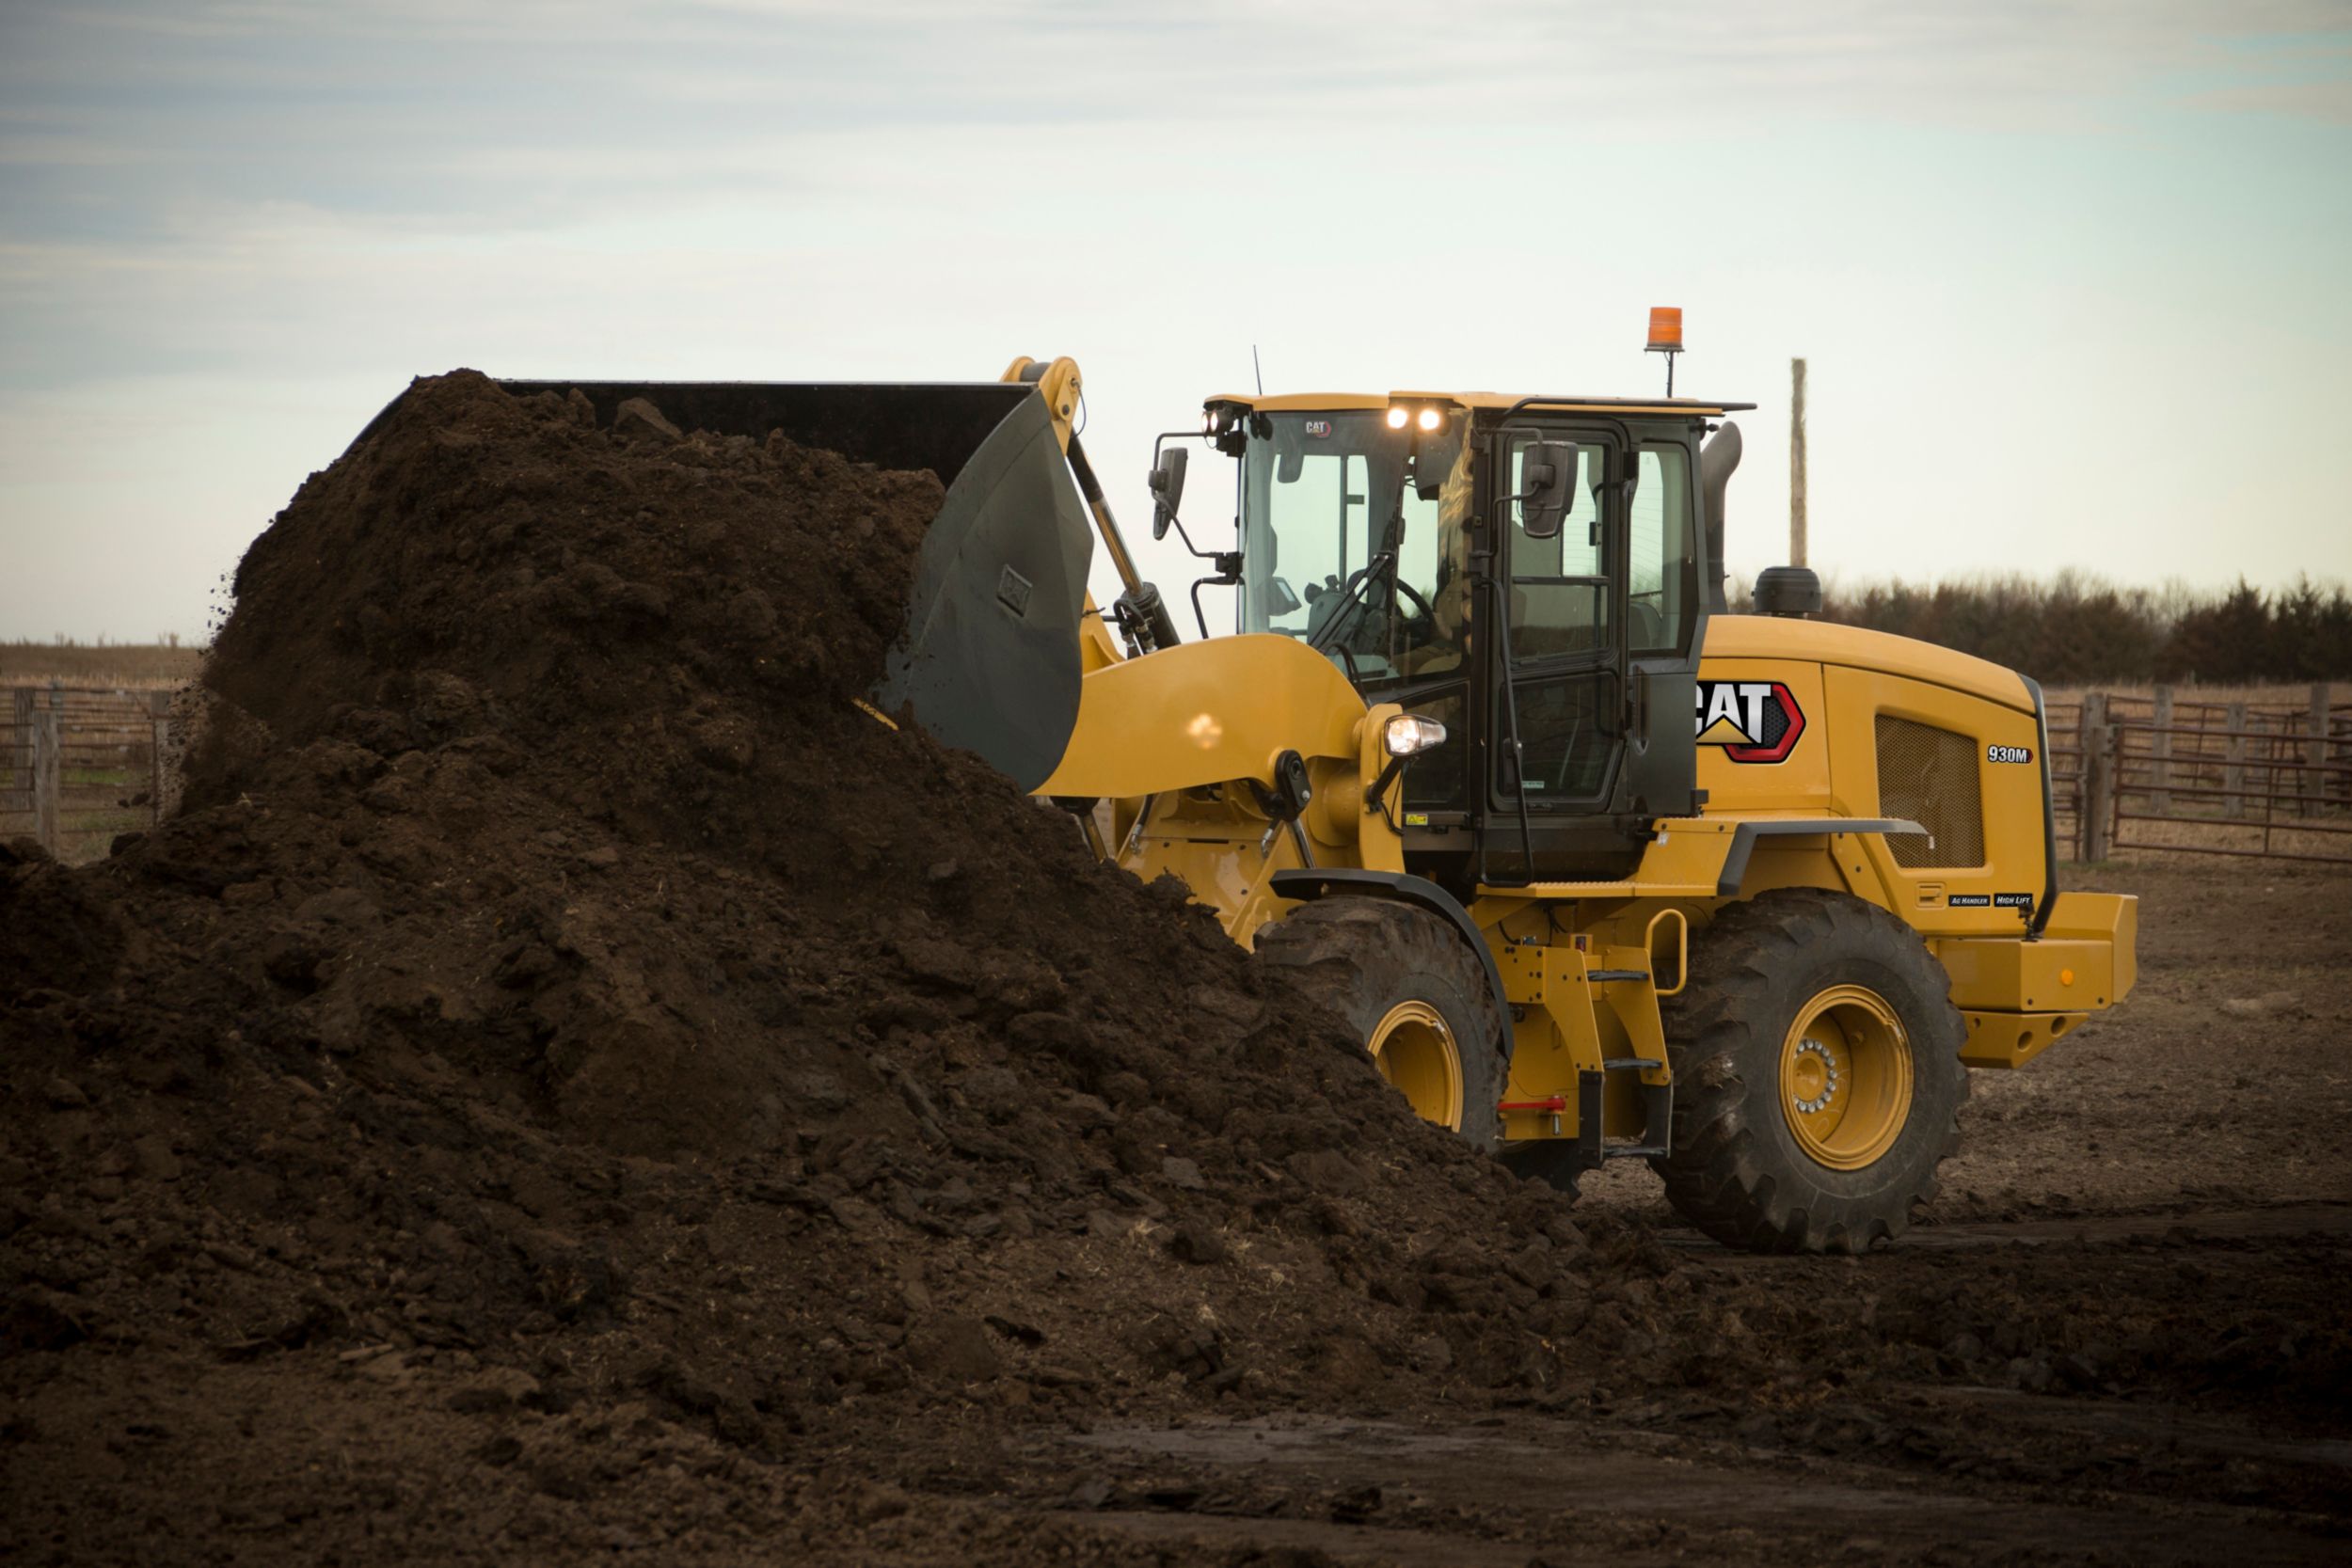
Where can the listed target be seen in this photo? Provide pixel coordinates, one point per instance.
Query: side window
(1661, 564)
(1314, 512)
(1559, 586)
(1431, 626)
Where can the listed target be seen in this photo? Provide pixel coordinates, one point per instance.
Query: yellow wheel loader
(1596, 868)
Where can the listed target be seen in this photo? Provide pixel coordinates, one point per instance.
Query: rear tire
(1417, 996)
(1818, 1080)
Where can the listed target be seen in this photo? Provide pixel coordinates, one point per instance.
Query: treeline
(2073, 630)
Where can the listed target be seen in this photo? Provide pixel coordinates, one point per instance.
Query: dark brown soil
(570, 1080)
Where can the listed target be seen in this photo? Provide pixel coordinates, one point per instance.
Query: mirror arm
(1200, 616)
(1228, 576)
(1191, 548)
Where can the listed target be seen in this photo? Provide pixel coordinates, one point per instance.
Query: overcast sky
(2070, 277)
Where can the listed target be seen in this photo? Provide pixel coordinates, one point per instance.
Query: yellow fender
(1204, 713)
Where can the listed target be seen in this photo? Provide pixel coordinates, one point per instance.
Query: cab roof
(1322, 403)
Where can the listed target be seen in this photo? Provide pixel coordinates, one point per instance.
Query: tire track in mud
(1460, 1492)
(2266, 1221)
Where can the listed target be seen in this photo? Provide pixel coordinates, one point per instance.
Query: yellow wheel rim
(1415, 1051)
(1845, 1077)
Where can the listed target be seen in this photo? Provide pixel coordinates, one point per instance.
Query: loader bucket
(989, 660)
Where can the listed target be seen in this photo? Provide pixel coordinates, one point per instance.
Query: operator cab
(1390, 532)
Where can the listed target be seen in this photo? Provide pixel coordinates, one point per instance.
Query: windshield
(1325, 497)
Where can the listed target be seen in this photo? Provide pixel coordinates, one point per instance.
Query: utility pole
(1796, 463)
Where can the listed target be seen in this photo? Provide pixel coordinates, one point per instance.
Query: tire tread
(1718, 1177)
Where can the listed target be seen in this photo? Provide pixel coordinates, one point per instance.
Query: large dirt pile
(554, 978)
(567, 1055)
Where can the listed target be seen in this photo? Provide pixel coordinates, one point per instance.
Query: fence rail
(79, 765)
(2270, 780)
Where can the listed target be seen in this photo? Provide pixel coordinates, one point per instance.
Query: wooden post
(21, 746)
(159, 770)
(1796, 463)
(2233, 768)
(2315, 788)
(2338, 745)
(2160, 752)
(48, 776)
(2088, 725)
(2099, 795)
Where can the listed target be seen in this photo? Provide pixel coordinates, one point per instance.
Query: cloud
(222, 196)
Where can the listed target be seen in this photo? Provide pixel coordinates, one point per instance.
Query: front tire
(1818, 1080)
(1417, 996)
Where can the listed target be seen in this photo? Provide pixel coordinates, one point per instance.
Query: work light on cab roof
(1415, 413)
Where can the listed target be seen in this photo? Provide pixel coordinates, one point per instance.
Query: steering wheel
(1396, 582)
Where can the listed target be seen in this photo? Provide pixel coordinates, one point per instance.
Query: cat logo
(1752, 721)
(1318, 428)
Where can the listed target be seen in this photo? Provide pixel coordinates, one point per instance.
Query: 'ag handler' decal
(1752, 721)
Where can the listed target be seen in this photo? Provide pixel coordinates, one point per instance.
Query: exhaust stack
(1717, 460)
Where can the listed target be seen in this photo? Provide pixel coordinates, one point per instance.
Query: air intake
(1930, 776)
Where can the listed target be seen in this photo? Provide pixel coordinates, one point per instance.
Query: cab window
(1559, 588)
(1325, 498)
(1662, 558)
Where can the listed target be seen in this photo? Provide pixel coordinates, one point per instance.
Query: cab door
(1664, 624)
(1564, 656)
(1597, 676)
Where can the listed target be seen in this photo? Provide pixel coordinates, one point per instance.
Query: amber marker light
(1665, 337)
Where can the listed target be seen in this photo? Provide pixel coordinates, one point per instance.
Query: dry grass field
(2189, 691)
(125, 666)
(108, 779)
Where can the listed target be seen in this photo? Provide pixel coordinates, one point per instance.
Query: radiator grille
(1930, 776)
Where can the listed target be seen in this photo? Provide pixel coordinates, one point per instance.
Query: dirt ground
(2191, 1149)
(2126, 1320)
(481, 1127)
(2217, 1084)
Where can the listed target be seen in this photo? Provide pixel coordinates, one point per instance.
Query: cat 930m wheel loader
(1597, 869)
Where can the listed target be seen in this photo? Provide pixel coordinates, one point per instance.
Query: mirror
(1547, 469)
(1280, 598)
(1431, 460)
(1168, 489)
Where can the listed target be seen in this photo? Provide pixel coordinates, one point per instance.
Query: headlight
(1410, 734)
(1431, 419)
(1397, 415)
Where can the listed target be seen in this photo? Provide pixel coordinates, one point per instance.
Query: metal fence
(2268, 779)
(80, 765)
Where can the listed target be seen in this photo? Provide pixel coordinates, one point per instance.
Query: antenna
(1257, 370)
